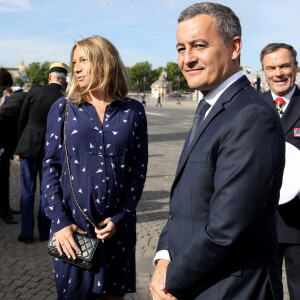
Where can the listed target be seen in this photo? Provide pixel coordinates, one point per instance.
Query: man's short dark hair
(272, 47)
(5, 78)
(227, 23)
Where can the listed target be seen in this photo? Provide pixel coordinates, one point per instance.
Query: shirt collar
(55, 82)
(215, 94)
(286, 97)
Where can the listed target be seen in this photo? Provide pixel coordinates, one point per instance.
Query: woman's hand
(65, 242)
(107, 231)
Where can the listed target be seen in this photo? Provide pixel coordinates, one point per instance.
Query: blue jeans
(29, 170)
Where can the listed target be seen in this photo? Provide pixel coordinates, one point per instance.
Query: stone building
(22, 70)
(161, 86)
(18, 72)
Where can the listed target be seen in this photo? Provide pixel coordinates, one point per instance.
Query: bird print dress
(108, 167)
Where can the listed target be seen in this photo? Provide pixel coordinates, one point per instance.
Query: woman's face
(82, 68)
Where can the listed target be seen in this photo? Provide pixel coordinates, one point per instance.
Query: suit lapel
(187, 150)
(291, 114)
(227, 96)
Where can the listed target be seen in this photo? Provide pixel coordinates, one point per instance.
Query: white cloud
(141, 30)
(176, 5)
(15, 5)
(35, 50)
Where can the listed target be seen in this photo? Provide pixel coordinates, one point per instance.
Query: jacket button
(171, 216)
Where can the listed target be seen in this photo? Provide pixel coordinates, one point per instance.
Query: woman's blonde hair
(108, 73)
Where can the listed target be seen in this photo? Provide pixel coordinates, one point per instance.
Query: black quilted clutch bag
(87, 245)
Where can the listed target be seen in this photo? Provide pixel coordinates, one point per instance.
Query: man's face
(280, 71)
(203, 58)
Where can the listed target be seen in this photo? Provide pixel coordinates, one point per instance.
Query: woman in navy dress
(106, 136)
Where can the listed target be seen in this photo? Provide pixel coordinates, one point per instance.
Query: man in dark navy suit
(31, 148)
(220, 241)
(279, 62)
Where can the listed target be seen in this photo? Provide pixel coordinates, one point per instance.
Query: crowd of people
(230, 226)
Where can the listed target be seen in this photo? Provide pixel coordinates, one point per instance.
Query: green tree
(18, 82)
(176, 77)
(156, 73)
(141, 74)
(38, 74)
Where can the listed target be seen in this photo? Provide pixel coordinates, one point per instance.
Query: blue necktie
(203, 106)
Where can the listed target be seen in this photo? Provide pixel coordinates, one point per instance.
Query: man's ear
(236, 46)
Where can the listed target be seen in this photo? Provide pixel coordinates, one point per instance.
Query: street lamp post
(258, 82)
(144, 95)
(178, 78)
(137, 89)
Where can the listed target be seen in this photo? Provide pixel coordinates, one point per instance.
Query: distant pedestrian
(144, 99)
(158, 101)
(32, 127)
(106, 141)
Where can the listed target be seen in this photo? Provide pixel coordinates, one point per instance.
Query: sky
(142, 30)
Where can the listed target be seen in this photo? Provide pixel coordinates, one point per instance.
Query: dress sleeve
(138, 172)
(52, 166)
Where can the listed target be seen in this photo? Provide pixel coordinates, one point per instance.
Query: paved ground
(26, 270)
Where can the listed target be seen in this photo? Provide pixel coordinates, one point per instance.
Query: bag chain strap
(69, 170)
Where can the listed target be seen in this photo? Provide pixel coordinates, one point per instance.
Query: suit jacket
(33, 120)
(221, 231)
(288, 222)
(9, 117)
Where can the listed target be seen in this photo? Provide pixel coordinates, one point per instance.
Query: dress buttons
(103, 180)
(100, 147)
(171, 216)
(103, 197)
(102, 163)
